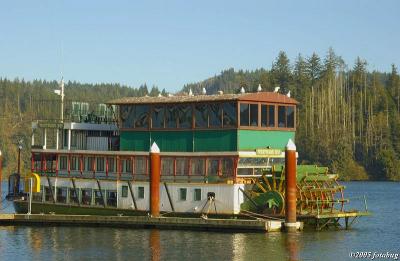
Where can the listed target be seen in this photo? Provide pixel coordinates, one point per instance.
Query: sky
(171, 43)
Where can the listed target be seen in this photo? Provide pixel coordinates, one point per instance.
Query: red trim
(45, 163)
(81, 164)
(94, 166)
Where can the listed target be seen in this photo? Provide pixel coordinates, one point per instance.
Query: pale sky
(170, 43)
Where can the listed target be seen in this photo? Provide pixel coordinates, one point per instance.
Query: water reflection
(376, 233)
(155, 244)
(292, 246)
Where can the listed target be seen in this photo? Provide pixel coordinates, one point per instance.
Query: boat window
(127, 116)
(86, 196)
(215, 115)
(229, 111)
(184, 116)
(244, 114)
(62, 195)
(261, 162)
(167, 166)
(227, 167)
(111, 165)
(213, 167)
(74, 139)
(140, 166)
(37, 161)
(245, 171)
(112, 198)
(281, 117)
(89, 163)
(267, 115)
(100, 164)
(141, 192)
(201, 115)
(197, 194)
(290, 116)
(128, 165)
(170, 116)
(38, 196)
(253, 114)
(182, 194)
(98, 199)
(124, 191)
(73, 197)
(264, 115)
(182, 165)
(197, 167)
(271, 115)
(141, 116)
(74, 163)
(47, 194)
(63, 162)
(157, 119)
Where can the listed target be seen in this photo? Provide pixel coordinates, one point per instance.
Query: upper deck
(206, 123)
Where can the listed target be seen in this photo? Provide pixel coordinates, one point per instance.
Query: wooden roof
(270, 97)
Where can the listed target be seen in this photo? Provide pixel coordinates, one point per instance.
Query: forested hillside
(348, 118)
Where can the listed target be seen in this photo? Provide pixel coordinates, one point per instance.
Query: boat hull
(21, 207)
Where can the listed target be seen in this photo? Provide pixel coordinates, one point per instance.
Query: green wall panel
(180, 141)
(135, 140)
(173, 141)
(252, 139)
(215, 140)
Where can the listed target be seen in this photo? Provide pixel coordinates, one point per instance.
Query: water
(379, 233)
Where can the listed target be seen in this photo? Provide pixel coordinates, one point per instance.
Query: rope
(263, 216)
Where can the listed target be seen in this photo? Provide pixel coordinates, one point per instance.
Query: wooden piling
(155, 171)
(290, 187)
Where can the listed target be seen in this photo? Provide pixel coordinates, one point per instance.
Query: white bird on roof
(204, 91)
(190, 92)
(160, 95)
(277, 89)
(288, 94)
(170, 95)
(259, 89)
(242, 90)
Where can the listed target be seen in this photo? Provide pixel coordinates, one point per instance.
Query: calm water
(379, 233)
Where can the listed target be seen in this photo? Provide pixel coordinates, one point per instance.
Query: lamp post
(19, 156)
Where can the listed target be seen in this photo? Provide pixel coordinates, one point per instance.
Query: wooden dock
(232, 225)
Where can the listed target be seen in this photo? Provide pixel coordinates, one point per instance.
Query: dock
(231, 225)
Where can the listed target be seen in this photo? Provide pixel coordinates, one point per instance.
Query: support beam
(101, 193)
(69, 139)
(169, 197)
(132, 194)
(75, 191)
(51, 190)
(57, 138)
(45, 139)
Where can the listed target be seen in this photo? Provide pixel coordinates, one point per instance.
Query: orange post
(1, 173)
(155, 171)
(290, 187)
